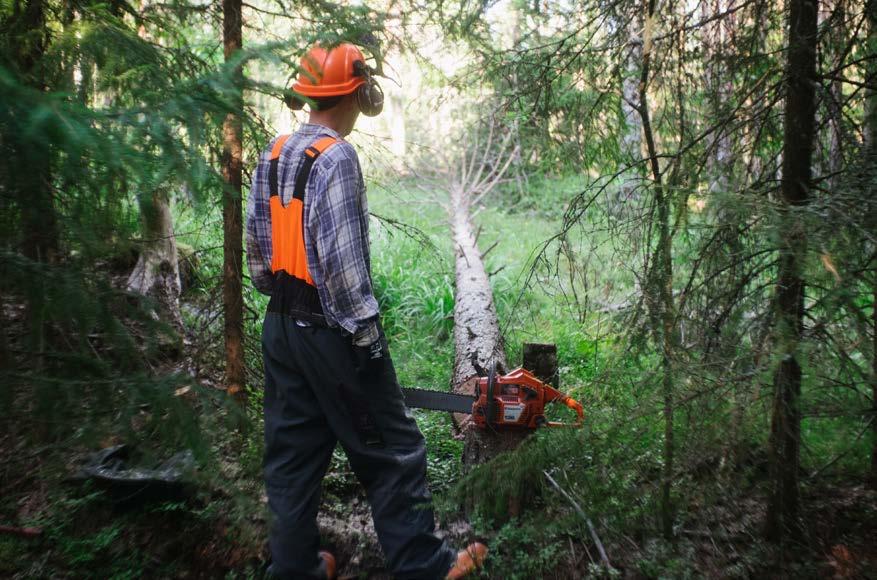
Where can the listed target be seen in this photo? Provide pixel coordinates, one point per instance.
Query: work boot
(327, 564)
(468, 561)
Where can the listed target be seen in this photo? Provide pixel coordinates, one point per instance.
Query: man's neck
(326, 120)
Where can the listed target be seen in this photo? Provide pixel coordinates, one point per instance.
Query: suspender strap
(274, 162)
(304, 173)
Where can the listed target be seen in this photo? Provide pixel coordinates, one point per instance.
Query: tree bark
(798, 139)
(157, 272)
(477, 339)
(631, 143)
(232, 221)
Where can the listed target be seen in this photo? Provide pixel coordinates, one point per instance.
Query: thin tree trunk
(798, 138)
(232, 289)
(718, 41)
(36, 196)
(33, 188)
(832, 15)
(871, 156)
(719, 80)
(873, 481)
(662, 304)
(632, 136)
(157, 272)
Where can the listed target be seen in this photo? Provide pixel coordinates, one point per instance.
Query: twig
(581, 512)
(23, 532)
(843, 454)
(488, 250)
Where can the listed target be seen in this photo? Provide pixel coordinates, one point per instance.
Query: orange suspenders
(287, 222)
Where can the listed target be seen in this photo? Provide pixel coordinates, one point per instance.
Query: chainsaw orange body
(517, 400)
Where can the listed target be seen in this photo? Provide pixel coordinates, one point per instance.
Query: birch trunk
(157, 272)
(632, 134)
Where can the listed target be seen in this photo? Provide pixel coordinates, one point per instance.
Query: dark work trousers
(317, 394)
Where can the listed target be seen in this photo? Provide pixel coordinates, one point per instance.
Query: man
(328, 374)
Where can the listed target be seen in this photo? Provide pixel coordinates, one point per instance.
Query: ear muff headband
(369, 95)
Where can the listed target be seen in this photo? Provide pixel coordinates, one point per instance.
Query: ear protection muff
(293, 102)
(369, 95)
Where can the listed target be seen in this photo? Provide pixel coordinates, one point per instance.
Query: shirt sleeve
(339, 234)
(259, 226)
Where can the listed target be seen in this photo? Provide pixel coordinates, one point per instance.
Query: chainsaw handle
(575, 406)
(552, 394)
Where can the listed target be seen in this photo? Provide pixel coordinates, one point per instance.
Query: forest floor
(85, 534)
(218, 528)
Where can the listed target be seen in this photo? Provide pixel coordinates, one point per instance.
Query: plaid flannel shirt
(336, 230)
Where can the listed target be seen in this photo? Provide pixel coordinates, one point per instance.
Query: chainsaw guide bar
(438, 400)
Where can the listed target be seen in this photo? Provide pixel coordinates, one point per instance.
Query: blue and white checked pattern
(336, 229)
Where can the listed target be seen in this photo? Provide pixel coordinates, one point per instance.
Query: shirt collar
(314, 129)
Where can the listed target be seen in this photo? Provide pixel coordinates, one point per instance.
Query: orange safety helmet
(338, 71)
(329, 73)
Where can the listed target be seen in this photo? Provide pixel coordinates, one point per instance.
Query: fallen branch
(23, 532)
(581, 512)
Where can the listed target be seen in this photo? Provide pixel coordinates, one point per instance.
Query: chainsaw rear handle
(552, 394)
(575, 406)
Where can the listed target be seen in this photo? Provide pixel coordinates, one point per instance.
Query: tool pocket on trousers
(364, 421)
(371, 361)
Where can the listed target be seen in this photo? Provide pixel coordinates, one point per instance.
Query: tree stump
(541, 360)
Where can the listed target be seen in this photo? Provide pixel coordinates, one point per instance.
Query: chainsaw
(513, 401)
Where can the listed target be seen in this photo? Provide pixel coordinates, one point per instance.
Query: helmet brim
(314, 91)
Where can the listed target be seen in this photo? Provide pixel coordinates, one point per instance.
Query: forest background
(677, 194)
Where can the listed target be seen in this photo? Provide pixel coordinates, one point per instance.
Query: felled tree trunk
(477, 339)
(157, 272)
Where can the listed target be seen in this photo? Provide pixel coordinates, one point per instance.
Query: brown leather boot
(328, 564)
(468, 561)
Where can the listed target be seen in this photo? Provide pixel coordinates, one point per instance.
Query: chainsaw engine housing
(519, 400)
